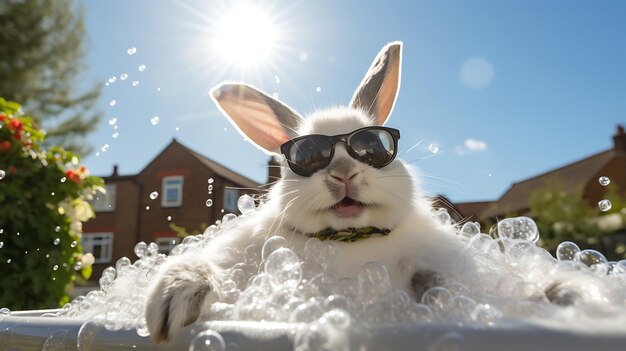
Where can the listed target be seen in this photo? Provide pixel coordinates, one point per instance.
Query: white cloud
(477, 73)
(475, 145)
(470, 145)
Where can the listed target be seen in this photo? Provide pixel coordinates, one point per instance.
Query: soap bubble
(451, 341)
(112, 103)
(209, 203)
(566, 251)
(123, 76)
(141, 68)
(154, 120)
(605, 205)
(271, 245)
(131, 50)
(438, 299)
(154, 195)
(2, 174)
(283, 268)
(245, 203)
(307, 312)
(590, 257)
(433, 148)
(56, 241)
(135, 83)
(113, 121)
(140, 249)
(470, 229)
(208, 340)
(373, 281)
(604, 180)
(443, 216)
(522, 228)
(5, 311)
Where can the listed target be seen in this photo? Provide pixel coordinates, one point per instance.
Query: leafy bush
(43, 197)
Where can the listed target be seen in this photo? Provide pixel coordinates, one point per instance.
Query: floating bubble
(566, 251)
(55, 267)
(208, 340)
(104, 148)
(245, 203)
(303, 56)
(112, 103)
(209, 203)
(210, 180)
(115, 135)
(147, 208)
(276, 79)
(141, 68)
(604, 180)
(433, 148)
(318, 89)
(154, 120)
(9, 260)
(56, 241)
(57, 229)
(2, 174)
(135, 83)
(154, 195)
(438, 299)
(210, 188)
(1, 244)
(605, 205)
(131, 50)
(123, 76)
(113, 121)
(74, 243)
(169, 218)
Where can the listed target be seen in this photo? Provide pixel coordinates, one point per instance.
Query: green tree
(562, 215)
(41, 58)
(43, 203)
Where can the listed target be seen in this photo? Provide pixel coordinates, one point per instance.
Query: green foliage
(41, 53)
(42, 207)
(182, 232)
(562, 216)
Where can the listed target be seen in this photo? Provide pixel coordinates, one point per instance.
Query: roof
(471, 209)
(221, 170)
(572, 177)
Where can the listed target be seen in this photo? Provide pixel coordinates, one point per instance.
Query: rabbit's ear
(377, 92)
(267, 122)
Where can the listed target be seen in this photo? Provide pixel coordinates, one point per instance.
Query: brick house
(178, 186)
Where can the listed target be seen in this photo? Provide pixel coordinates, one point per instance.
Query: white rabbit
(346, 193)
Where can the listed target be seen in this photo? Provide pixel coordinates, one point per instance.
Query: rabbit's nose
(343, 179)
(342, 170)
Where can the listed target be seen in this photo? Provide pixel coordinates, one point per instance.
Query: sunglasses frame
(333, 140)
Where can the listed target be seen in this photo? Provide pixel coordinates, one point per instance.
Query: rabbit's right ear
(267, 122)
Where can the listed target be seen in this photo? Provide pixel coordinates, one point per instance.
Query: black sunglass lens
(373, 146)
(310, 154)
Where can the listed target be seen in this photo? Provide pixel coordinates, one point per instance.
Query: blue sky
(506, 89)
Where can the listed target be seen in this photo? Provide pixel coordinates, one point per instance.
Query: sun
(245, 36)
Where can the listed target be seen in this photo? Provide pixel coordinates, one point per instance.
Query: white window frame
(167, 244)
(104, 239)
(165, 187)
(230, 200)
(105, 202)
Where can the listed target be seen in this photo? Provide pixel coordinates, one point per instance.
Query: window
(166, 244)
(100, 245)
(172, 191)
(230, 199)
(105, 202)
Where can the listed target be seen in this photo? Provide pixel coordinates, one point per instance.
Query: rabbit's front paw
(177, 297)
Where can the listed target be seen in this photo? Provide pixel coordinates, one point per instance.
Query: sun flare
(246, 36)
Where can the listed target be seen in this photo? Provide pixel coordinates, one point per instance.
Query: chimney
(114, 171)
(273, 170)
(619, 139)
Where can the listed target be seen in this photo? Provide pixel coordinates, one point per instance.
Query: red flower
(16, 124)
(5, 145)
(82, 169)
(12, 170)
(73, 176)
(28, 143)
(3, 117)
(17, 135)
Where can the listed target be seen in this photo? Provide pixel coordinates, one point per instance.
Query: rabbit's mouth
(348, 207)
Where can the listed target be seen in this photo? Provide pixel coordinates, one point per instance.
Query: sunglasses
(376, 146)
